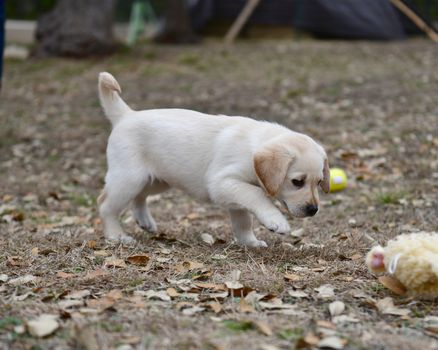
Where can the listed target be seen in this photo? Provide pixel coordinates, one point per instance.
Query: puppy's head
(291, 168)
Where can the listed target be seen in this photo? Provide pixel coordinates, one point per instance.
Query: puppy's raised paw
(282, 227)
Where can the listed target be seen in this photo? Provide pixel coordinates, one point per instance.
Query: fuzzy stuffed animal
(412, 259)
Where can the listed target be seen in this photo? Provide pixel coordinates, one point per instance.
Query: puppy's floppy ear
(325, 183)
(271, 165)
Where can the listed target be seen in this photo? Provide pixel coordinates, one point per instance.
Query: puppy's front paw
(121, 238)
(149, 226)
(254, 244)
(128, 240)
(279, 226)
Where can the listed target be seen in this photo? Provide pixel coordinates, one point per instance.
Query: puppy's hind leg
(119, 191)
(140, 208)
(241, 221)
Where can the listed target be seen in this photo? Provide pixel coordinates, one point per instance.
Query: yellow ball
(338, 179)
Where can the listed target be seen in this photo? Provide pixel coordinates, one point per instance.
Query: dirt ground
(373, 105)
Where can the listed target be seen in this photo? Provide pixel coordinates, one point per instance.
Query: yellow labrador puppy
(236, 162)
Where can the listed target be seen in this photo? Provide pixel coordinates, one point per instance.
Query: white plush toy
(412, 259)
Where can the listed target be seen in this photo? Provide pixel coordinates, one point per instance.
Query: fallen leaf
(325, 324)
(356, 256)
(297, 233)
(213, 286)
(101, 253)
(263, 327)
(277, 306)
(130, 339)
(23, 280)
(193, 296)
(214, 296)
(432, 329)
(21, 297)
(88, 339)
(165, 251)
(207, 238)
(95, 274)
(65, 275)
(325, 291)
(431, 320)
(219, 257)
(254, 297)
(101, 303)
(332, 342)
(186, 266)
(89, 311)
(245, 307)
(291, 277)
(386, 307)
(78, 294)
(360, 294)
(163, 237)
(20, 329)
(43, 325)
(15, 261)
(193, 216)
(336, 308)
(393, 284)
(3, 277)
(192, 310)
(69, 303)
(172, 292)
(92, 244)
(183, 305)
(319, 269)
(161, 295)
(137, 300)
(204, 274)
(114, 262)
(345, 319)
(215, 306)
(115, 294)
(297, 294)
(309, 339)
(140, 259)
(106, 301)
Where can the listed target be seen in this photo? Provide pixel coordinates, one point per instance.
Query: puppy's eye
(298, 183)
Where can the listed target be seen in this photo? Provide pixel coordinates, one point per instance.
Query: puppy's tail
(113, 105)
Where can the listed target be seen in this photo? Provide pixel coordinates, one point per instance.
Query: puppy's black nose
(311, 209)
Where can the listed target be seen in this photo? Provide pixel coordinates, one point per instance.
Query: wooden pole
(240, 21)
(416, 19)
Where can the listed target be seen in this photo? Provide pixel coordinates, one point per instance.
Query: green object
(141, 13)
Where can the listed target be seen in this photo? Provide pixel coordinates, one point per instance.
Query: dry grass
(373, 105)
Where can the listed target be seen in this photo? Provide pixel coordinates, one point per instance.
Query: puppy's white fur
(239, 163)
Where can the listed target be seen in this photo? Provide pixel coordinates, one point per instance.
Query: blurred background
(188, 21)
(360, 77)
(348, 73)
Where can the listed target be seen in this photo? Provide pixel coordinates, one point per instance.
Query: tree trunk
(76, 28)
(177, 27)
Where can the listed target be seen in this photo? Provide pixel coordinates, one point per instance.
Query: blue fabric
(349, 19)
(345, 19)
(2, 34)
